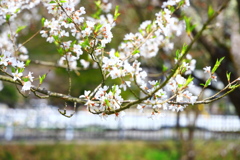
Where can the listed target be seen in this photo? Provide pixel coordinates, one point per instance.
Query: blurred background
(32, 128)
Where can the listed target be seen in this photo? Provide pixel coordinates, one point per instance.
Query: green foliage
(52, 2)
(189, 80)
(98, 11)
(135, 51)
(27, 62)
(210, 11)
(217, 64)
(20, 28)
(228, 76)
(189, 26)
(118, 150)
(43, 21)
(208, 82)
(116, 13)
(8, 16)
(41, 78)
(164, 68)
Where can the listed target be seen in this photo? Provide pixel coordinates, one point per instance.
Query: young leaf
(17, 10)
(85, 43)
(43, 21)
(13, 70)
(41, 78)
(116, 13)
(208, 82)
(25, 79)
(217, 64)
(189, 26)
(98, 27)
(117, 54)
(189, 80)
(164, 68)
(20, 70)
(135, 51)
(20, 28)
(98, 3)
(184, 48)
(8, 16)
(69, 20)
(210, 11)
(228, 76)
(27, 62)
(148, 29)
(177, 54)
(63, 1)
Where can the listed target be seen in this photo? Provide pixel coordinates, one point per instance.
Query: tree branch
(45, 91)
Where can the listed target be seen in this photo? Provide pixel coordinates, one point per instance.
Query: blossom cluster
(213, 77)
(87, 32)
(10, 8)
(75, 34)
(104, 99)
(177, 90)
(6, 59)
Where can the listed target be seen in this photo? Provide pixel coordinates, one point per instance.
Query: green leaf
(177, 54)
(84, 26)
(63, 1)
(56, 38)
(17, 10)
(97, 14)
(13, 70)
(25, 79)
(189, 26)
(41, 78)
(43, 21)
(233, 86)
(117, 54)
(8, 16)
(210, 11)
(20, 28)
(85, 43)
(27, 62)
(107, 102)
(217, 64)
(189, 80)
(208, 82)
(171, 8)
(60, 51)
(20, 70)
(135, 51)
(164, 68)
(116, 13)
(228, 76)
(98, 27)
(184, 48)
(158, 83)
(98, 3)
(148, 29)
(69, 20)
(52, 2)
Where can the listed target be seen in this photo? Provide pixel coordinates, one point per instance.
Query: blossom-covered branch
(77, 36)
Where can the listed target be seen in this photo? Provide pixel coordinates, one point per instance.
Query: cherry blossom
(82, 42)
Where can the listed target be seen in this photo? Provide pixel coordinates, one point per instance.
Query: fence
(46, 123)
